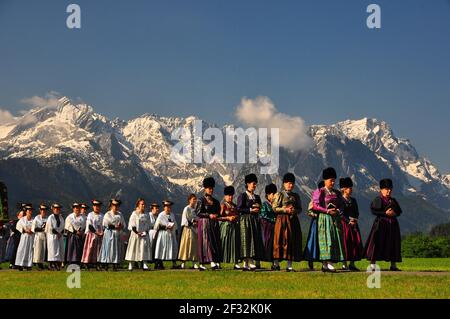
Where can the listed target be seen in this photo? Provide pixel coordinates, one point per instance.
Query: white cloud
(262, 113)
(49, 100)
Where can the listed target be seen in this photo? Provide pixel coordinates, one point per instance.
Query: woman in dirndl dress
(75, 227)
(329, 203)
(40, 239)
(249, 205)
(94, 236)
(267, 219)
(353, 247)
(312, 251)
(229, 229)
(112, 249)
(287, 243)
(384, 242)
(24, 256)
(54, 228)
(208, 211)
(166, 238)
(139, 248)
(189, 236)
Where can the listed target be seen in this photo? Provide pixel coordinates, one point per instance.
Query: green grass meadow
(420, 278)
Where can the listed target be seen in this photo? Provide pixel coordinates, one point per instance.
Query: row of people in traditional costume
(252, 231)
(214, 232)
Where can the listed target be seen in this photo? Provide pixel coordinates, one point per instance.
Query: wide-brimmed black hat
(250, 178)
(289, 177)
(329, 173)
(167, 203)
(228, 190)
(209, 182)
(271, 189)
(96, 202)
(154, 204)
(345, 182)
(386, 183)
(115, 202)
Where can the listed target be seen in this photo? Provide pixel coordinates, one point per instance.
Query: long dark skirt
(74, 248)
(11, 248)
(312, 251)
(384, 242)
(353, 248)
(287, 243)
(267, 229)
(251, 239)
(231, 242)
(209, 246)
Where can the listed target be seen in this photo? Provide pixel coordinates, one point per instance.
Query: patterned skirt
(287, 243)
(331, 245)
(384, 242)
(251, 239)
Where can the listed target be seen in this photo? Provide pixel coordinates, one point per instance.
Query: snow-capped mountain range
(69, 152)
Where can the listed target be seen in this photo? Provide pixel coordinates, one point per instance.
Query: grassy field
(420, 278)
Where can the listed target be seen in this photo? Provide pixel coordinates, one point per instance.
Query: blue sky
(316, 59)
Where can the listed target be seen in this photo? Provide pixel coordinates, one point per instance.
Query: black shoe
(310, 265)
(394, 269)
(20, 268)
(215, 267)
(276, 268)
(353, 268)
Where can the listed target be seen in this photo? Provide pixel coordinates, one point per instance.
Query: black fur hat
(228, 190)
(209, 182)
(288, 177)
(250, 178)
(271, 189)
(328, 173)
(386, 183)
(345, 182)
